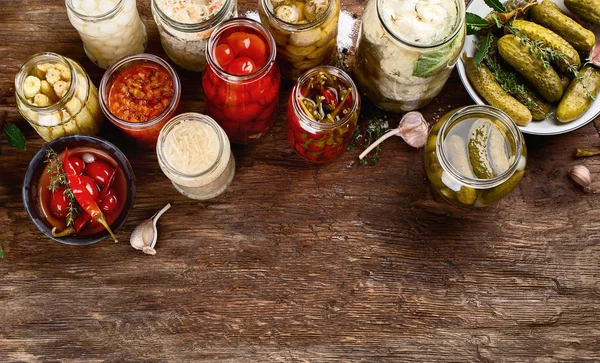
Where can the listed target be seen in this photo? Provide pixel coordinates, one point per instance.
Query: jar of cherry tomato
(139, 94)
(322, 114)
(241, 82)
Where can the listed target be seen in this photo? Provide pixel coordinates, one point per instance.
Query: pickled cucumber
(549, 15)
(497, 151)
(493, 195)
(579, 96)
(484, 83)
(543, 78)
(454, 147)
(478, 145)
(466, 195)
(552, 40)
(586, 9)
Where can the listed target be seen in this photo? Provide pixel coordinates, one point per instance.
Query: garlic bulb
(581, 175)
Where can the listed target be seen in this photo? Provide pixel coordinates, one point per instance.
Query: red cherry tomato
(242, 66)
(90, 185)
(59, 203)
(110, 202)
(224, 55)
(99, 171)
(249, 45)
(330, 98)
(78, 164)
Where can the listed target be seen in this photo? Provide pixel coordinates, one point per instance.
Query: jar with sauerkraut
(109, 29)
(57, 97)
(407, 50)
(195, 154)
(186, 25)
(305, 32)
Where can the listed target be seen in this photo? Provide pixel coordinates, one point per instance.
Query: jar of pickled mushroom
(109, 29)
(407, 50)
(322, 114)
(305, 32)
(475, 156)
(185, 25)
(241, 82)
(195, 154)
(57, 97)
(139, 94)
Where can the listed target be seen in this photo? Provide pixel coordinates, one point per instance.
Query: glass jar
(140, 116)
(109, 29)
(55, 102)
(184, 32)
(244, 105)
(475, 156)
(406, 52)
(324, 140)
(195, 154)
(305, 32)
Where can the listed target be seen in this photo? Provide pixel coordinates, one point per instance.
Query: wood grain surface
(297, 262)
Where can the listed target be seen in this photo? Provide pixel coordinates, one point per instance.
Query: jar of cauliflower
(56, 96)
(186, 25)
(305, 32)
(109, 29)
(407, 50)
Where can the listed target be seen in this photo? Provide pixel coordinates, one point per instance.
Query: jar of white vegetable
(109, 29)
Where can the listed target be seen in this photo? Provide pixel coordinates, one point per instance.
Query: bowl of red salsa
(101, 172)
(139, 94)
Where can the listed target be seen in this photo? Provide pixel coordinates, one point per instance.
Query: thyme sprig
(58, 178)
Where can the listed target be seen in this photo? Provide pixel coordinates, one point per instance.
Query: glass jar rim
(266, 4)
(96, 18)
(298, 111)
(194, 117)
(498, 115)
(241, 22)
(198, 26)
(32, 62)
(106, 83)
(452, 35)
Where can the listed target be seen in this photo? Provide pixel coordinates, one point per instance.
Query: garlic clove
(144, 236)
(582, 177)
(414, 129)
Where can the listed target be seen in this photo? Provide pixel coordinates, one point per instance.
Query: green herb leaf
(496, 5)
(14, 136)
(429, 63)
(1, 253)
(483, 49)
(497, 20)
(475, 23)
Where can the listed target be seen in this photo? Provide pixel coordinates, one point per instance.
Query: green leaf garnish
(429, 63)
(483, 49)
(1, 253)
(496, 5)
(475, 23)
(14, 136)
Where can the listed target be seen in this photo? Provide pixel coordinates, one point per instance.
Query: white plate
(550, 126)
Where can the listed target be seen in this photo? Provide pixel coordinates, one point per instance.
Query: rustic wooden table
(297, 262)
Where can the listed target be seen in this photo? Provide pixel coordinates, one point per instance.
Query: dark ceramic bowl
(36, 167)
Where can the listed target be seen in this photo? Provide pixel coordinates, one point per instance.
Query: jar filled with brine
(322, 114)
(57, 97)
(185, 27)
(305, 32)
(195, 154)
(407, 50)
(109, 29)
(475, 156)
(241, 81)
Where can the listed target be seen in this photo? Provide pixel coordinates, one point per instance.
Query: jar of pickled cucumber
(322, 114)
(475, 156)
(185, 26)
(57, 97)
(305, 32)
(407, 50)
(109, 29)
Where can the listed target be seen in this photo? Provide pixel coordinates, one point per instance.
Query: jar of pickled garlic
(475, 156)
(57, 97)
(139, 94)
(185, 25)
(305, 32)
(322, 114)
(195, 154)
(241, 82)
(407, 50)
(109, 29)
